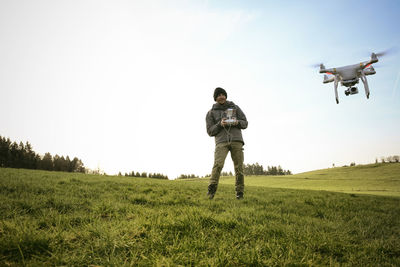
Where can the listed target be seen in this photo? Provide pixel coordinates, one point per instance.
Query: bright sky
(126, 85)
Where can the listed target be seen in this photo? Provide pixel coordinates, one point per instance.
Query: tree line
(248, 169)
(145, 175)
(14, 155)
(389, 159)
(187, 176)
(257, 169)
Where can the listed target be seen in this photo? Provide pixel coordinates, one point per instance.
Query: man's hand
(223, 123)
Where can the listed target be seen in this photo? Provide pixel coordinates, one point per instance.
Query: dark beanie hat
(219, 91)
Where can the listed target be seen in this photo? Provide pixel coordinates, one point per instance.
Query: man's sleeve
(213, 128)
(241, 118)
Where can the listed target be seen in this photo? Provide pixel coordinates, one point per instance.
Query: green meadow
(375, 179)
(71, 219)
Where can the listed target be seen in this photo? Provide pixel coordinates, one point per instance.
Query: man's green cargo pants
(221, 151)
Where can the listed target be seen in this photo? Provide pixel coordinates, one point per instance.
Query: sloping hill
(73, 219)
(376, 179)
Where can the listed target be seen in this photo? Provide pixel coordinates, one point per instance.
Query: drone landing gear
(365, 82)
(336, 93)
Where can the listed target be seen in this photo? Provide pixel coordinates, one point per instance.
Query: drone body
(349, 76)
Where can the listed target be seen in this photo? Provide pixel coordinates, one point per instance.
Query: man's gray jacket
(227, 133)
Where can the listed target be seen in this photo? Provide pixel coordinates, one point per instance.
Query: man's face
(221, 99)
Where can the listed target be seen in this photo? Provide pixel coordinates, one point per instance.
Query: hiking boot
(239, 195)
(212, 189)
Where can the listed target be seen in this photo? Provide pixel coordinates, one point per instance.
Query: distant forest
(248, 169)
(257, 169)
(14, 155)
(145, 175)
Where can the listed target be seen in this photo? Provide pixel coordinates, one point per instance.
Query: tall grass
(50, 218)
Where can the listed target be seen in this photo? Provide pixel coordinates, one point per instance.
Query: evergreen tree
(47, 162)
(14, 156)
(30, 157)
(4, 151)
(57, 163)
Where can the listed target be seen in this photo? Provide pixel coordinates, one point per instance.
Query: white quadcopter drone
(349, 75)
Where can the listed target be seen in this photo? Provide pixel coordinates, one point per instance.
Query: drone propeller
(386, 52)
(316, 65)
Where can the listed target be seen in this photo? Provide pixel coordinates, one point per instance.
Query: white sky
(126, 85)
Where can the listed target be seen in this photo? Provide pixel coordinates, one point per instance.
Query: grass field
(375, 179)
(67, 219)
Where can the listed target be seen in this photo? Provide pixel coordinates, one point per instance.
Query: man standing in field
(225, 122)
